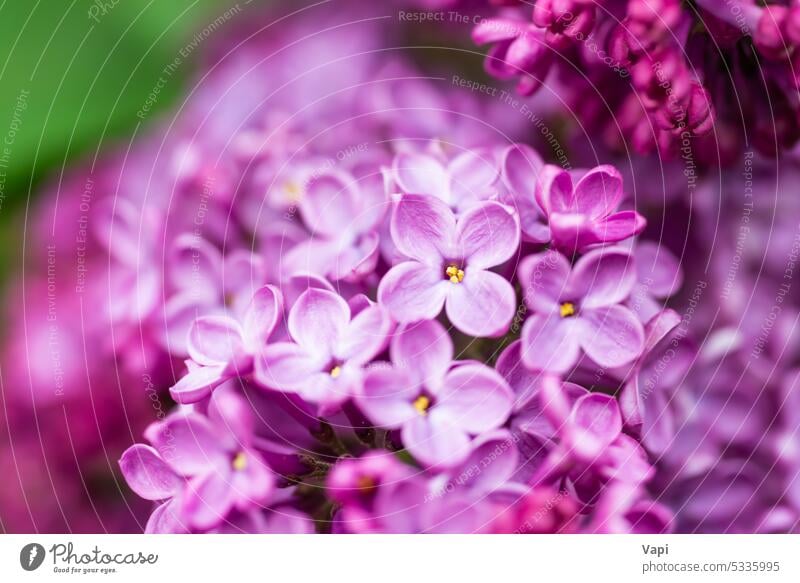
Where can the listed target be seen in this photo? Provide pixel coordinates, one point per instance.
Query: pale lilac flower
(584, 213)
(343, 217)
(449, 265)
(330, 346)
(222, 347)
(466, 179)
(435, 405)
(578, 309)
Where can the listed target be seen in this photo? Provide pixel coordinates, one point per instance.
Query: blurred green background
(73, 74)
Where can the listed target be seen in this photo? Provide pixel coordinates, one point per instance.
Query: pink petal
(487, 235)
(189, 444)
(554, 191)
(365, 336)
(208, 501)
(421, 174)
(386, 397)
(481, 305)
(425, 350)
(474, 398)
(434, 441)
(599, 192)
(472, 176)
(595, 422)
(550, 343)
(198, 383)
(215, 340)
(318, 320)
(603, 277)
(413, 291)
(521, 166)
(328, 203)
(196, 266)
(491, 30)
(657, 269)
(544, 279)
(423, 228)
(262, 316)
(147, 474)
(611, 336)
(285, 366)
(619, 226)
(166, 519)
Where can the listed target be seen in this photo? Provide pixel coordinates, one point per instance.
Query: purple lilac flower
(330, 346)
(449, 264)
(584, 214)
(578, 309)
(436, 405)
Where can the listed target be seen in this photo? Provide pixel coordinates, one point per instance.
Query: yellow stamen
(421, 404)
(455, 274)
(239, 462)
(567, 309)
(293, 191)
(336, 371)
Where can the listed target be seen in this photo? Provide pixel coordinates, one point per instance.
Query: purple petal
(425, 350)
(166, 519)
(657, 269)
(196, 266)
(255, 483)
(232, 413)
(318, 320)
(611, 336)
(550, 343)
(413, 291)
(474, 398)
(491, 463)
(208, 500)
(262, 316)
(434, 441)
(491, 30)
(285, 366)
(544, 279)
(189, 444)
(595, 422)
(420, 174)
(487, 235)
(521, 166)
(598, 193)
(524, 382)
(198, 383)
(603, 277)
(554, 192)
(387, 396)
(619, 226)
(328, 203)
(472, 176)
(423, 228)
(481, 305)
(365, 336)
(147, 474)
(215, 340)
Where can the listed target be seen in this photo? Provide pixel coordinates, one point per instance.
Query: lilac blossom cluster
(332, 294)
(659, 74)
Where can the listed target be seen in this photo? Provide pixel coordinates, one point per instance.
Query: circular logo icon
(31, 556)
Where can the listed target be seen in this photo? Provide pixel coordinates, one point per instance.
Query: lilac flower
(578, 309)
(330, 345)
(466, 179)
(521, 168)
(584, 214)
(343, 217)
(435, 405)
(222, 347)
(658, 277)
(207, 468)
(449, 262)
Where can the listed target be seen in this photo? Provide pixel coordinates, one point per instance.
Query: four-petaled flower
(449, 264)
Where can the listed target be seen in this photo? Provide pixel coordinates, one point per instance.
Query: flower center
(567, 309)
(454, 273)
(366, 484)
(293, 192)
(239, 462)
(336, 371)
(422, 404)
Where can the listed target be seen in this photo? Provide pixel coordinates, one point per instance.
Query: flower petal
(423, 228)
(611, 336)
(550, 343)
(198, 383)
(472, 176)
(603, 277)
(285, 366)
(166, 519)
(147, 474)
(618, 227)
(487, 235)
(554, 191)
(544, 278)
(208, 500)
(327, 205)
(425, 350)
(262, 316)
(386, 397)
(365, 336)
(413, 291)
(521, 166)
(599, 192)
(594, 423)
(215, 340)
(657, 269)
(417, 173)
(474, 398)
(318, 320)
(481, 305)
(434, 441)
(188, 443)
